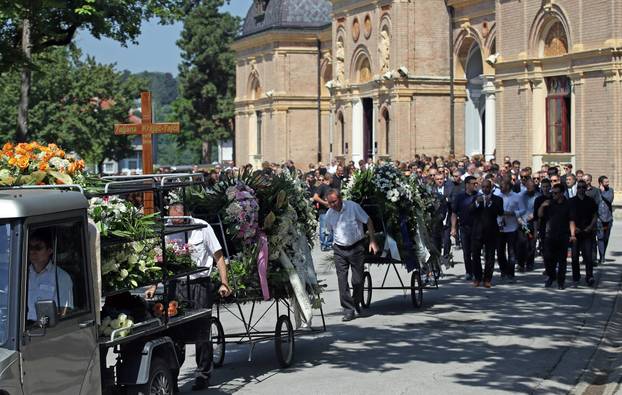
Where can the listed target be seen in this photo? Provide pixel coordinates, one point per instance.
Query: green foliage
(163, 88)
(207, 73)
(74, 102)
(55, 22)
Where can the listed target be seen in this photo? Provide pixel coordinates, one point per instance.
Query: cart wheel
(284, 341)
(218, 342)
(366, 290)
(416, 289)
(160, 380)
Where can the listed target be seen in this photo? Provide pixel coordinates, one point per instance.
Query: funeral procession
(310, 197)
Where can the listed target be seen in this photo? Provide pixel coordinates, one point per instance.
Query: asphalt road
(512, 338)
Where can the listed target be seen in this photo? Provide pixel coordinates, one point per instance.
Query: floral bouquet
(242, 214)
(36, 164)
(178, 256)
(131, 266)
(118, 217)
(405, 206)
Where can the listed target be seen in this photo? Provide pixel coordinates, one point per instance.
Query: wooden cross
(147, 129)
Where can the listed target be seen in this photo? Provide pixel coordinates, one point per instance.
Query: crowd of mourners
(499, 212)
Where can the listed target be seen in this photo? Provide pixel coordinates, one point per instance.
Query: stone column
(331, 132)
(491, 120)
(356, 148)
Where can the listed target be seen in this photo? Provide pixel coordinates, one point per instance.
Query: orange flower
(52, 147)
(60, 153)
(23, 162)
(7, 147)
(12, 161)
(43, 166)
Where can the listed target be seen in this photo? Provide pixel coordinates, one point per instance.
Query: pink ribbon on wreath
(262, 265)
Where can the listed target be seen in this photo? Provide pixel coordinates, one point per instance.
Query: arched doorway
(474, 108)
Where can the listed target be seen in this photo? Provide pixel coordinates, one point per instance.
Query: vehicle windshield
(5, 257)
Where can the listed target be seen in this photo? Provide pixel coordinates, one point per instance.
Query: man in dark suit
(560, 228)
(461, 219)
(444, 191)
(485, 210)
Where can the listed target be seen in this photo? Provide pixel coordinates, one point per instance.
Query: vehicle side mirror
(47, 313)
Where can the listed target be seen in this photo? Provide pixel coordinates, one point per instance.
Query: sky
(156, 49)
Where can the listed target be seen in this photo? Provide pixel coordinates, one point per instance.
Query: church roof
(286, 14)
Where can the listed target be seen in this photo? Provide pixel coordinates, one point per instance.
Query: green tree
(29, 27)
(207, 74)
(74, 103)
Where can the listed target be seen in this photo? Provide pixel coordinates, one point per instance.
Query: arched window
(363, 70)
(254, 86)
(558, 114)
(555, 40)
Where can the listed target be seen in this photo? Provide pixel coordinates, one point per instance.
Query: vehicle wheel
(218, 342)
(284, 341)
(367, 290)
(416, 289)
(160, 380)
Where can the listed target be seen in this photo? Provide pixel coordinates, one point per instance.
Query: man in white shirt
(205, 249)
(46, 281)
(508, 225)
(346, 219)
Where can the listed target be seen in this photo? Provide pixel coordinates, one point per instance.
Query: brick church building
(538, 80)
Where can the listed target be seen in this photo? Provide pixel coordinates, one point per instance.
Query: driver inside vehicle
(46, 281)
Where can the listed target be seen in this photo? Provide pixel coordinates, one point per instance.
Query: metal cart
(255, 328)
(432, 273)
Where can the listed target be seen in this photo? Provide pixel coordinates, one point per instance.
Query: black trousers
(442, 240)
(583, 246)
(506, 252)
(199, 292)
(489, 244)
(555, 252)
(345, 258)
(525, 249)
(465, 237)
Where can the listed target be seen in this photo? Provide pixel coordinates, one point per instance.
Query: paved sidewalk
(512, 338)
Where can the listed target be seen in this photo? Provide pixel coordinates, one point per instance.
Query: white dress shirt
(42, 286)
(513, 204)
(347, 224)
(203, 243)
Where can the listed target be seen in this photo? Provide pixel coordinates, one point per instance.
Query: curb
(603, 372)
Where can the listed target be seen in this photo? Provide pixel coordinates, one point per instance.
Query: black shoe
(358, 310)
(521, 269)
(200, 383)
(529, 268)
(548, 283)
(560, 286)
(590, 282)
(349, 316)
